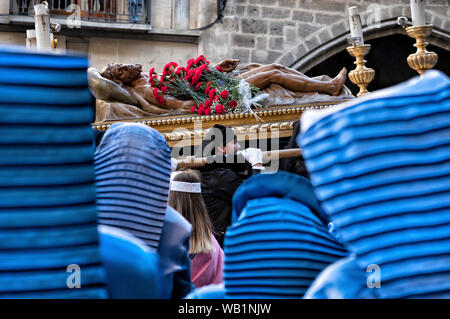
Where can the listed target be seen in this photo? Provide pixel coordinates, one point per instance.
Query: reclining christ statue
(123, 91)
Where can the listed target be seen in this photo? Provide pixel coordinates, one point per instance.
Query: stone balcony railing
(103, 11)
(102, 18)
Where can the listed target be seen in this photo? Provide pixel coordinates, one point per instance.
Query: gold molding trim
(189, 129)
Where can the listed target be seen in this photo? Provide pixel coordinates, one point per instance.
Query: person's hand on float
(173, 164)
(254, 156)
(228, 65)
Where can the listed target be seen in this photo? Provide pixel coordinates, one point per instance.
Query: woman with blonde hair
(207, 256)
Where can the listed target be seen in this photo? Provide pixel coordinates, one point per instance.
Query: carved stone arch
(311, 52)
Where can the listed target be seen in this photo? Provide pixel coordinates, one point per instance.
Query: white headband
(185, 187)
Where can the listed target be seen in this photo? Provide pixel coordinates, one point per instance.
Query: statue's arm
(171, 103)
(146, 106)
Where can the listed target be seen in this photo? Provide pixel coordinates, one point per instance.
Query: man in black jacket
(294, 165)
(226, 169)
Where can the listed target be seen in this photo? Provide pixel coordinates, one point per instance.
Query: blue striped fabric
(278, 244)
(381, 168)
(132, 179)
(47, 194)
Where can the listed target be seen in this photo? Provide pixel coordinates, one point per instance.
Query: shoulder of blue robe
(280, 184)
(344, 279)
(174, 253)
(208, 292)
(432, 81)
(132, 270)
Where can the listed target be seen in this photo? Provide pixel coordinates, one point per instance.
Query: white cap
(352, 11)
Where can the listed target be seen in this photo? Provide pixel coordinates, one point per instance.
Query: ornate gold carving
(422, 60)
(361, 75)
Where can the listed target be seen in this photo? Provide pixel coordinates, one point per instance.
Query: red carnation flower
(218, 68)
(164, 88)
(168, 66)
(180, 69)
(155, 92)
(198, 74)
(160, 100)
(224, 94)
(193, 109)
(198, 86)
(201, 110)
(216, 98)
(194, 81)
(189, 74)
(207, 111)
(207, 87)
(208, 104)
(220, 109)
(165, 69)
(232, 104)
(211, 93)
(189, 63)
(200, 58)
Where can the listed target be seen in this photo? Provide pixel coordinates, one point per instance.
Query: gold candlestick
(422, 60)
(361, 76)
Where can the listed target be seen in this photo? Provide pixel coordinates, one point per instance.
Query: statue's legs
(298, 83)
(270, 67)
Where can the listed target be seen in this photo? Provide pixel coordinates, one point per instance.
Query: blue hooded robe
(380, 167)
(278, 242)
(132, 177)
(50, 246)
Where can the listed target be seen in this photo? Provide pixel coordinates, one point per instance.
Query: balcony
(103, 18)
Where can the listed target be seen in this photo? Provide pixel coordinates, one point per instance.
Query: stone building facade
(168, 36)
(295, 33)
(302, 33)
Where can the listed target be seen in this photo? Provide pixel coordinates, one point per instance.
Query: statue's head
(125, 73)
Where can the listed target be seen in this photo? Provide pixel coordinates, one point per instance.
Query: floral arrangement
(213, 91)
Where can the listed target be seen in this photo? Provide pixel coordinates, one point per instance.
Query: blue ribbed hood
(277, 244)
(381, 170)
(282, 185)
(48, 217)
(132, 178)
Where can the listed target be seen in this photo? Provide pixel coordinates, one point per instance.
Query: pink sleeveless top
(207, 269)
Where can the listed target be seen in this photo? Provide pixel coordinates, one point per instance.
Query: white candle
(355, 24)
(418, 12)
